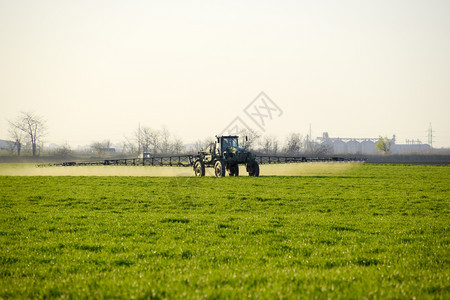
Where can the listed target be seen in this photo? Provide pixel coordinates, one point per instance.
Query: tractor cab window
(229, 142)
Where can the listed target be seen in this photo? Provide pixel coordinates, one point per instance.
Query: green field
(369, 231)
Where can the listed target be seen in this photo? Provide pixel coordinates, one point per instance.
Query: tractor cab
(225, 142)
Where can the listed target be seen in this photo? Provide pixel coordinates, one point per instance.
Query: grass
(371, 232)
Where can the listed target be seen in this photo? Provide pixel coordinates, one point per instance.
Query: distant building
(338, 146)
(353, 147)
(367, 146)
(7, 145)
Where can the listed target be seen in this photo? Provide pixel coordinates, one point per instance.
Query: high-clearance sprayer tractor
(224, 155)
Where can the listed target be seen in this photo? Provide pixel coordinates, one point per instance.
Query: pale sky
(96, 69)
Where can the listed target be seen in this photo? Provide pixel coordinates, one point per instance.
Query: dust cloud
(308, 169)
(34, 170)
(295, 169)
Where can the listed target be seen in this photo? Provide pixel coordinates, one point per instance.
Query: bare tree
(32, 126)
(129, 147)
(155, 141)
(101, 147)
(318, 148)
(164, 145)
(147, 139)
(17, 136)
(293, 144)
(64, 150)
(200, 145)
(248, 138)
(269, 145)
(98, 147)
(177, 146)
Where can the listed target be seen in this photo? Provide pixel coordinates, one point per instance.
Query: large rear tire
(253, 169)
(199, 168)
(219, 168)
(234, 170)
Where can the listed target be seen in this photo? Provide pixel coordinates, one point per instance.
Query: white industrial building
(367, 146)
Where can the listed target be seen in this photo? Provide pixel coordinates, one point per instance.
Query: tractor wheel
(199, 168)
(253, 169)
(219, 168)
(234, 170)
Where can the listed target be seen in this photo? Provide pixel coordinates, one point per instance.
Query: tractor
(225, 155)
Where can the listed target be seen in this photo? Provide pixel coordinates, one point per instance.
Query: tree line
(29, 129)
(147, 139)
(294, 144)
